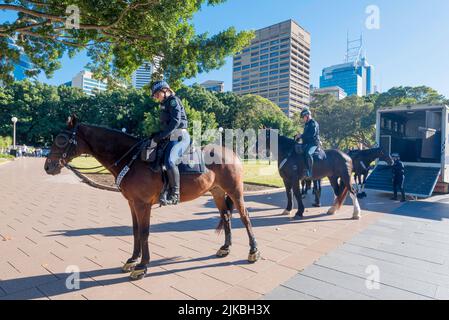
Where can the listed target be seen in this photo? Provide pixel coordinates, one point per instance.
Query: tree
(345, 123)
(118, 36)
(255, 112)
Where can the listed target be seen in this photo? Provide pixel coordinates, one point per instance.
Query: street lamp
(14, 121)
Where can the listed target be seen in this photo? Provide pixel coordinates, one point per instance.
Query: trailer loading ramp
(419, 181)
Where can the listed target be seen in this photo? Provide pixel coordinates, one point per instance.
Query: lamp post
(14, 121)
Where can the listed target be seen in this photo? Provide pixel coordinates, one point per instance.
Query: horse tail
(230, 206)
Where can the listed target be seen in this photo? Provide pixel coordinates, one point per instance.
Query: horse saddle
(191, 162)
(319, 153)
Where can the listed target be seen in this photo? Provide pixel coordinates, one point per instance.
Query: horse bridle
(68, 143)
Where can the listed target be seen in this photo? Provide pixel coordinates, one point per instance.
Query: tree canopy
(118, 35)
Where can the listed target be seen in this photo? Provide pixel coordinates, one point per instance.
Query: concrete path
(403, 255)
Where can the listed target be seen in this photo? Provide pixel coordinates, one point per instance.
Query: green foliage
(5, 142)
(118, 36)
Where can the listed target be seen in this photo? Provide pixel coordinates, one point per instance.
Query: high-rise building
(213, 85)
(276, 66)
(355, 76)
(85, 81)
(24, 64)
(143, 75)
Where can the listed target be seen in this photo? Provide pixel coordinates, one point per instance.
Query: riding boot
(309, 166)
(174, 182)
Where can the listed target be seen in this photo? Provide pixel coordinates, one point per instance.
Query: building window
(274, 60)
(274, 78)
(237, 64)
(274, 72)
(246, 50)
(283, 70)
(237, 69)
(284, 99)
(274, 41)
(264, 51)
(246, 67)
(285, 39)
(254, 65)
(265, 56)
(254, 54)
(263, 74)
(273, 83)
(274, 48)
(254, 59)
(263, 63)
(264, 69)
(264, 45)
(274, 54)
(274, 66)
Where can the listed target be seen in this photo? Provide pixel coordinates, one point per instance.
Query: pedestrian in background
(398, 177)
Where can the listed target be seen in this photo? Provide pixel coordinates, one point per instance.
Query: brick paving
(49, 223)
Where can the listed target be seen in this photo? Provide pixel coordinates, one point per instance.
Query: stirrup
(172, 200)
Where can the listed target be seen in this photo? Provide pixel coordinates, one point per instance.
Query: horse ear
(72, 121)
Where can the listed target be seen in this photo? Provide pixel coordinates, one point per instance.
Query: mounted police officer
(173, 125)
(310, 139)
(398, 177)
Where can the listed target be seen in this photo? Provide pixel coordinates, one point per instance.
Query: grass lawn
(260, 172)
(87, 162)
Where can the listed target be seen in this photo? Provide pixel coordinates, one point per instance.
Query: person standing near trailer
(398, 177)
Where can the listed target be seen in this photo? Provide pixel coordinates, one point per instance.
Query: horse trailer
(420, 135)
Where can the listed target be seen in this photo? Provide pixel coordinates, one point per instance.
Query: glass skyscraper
(24, 63)
(355, 77)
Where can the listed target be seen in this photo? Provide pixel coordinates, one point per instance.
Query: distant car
(45, 152)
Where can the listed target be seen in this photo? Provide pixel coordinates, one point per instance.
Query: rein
(69, 143)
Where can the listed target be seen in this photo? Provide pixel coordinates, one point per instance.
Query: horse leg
(143, 214)
(317, 192)
(299, 214)
(132, 262)
(237, 198)
(363, 184)
(225, 210)
(347, 187)
(334, 183)
(288, 190)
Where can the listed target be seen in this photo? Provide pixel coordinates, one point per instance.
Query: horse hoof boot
(129, 266)
(223, 252)
(286, 212)
(138, 274)
(253, 257)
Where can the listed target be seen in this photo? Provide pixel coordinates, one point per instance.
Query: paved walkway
(404, 255)
(51, 225)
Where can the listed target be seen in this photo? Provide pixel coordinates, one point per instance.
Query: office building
(336, 91)
(213, 85)
(355, 76)
(143, 75)
(24, 64)
(85, 81)
(276, 66)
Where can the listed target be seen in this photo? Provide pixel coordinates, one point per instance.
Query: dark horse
(337, 166)
(141, 186)
(306, 185)
(362, 160)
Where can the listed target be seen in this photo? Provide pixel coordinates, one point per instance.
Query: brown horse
(141, 186)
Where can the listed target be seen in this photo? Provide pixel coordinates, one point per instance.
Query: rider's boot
(309, 166)
(174, 182)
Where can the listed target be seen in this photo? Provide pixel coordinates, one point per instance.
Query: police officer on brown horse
(310, 139)
(173, 125)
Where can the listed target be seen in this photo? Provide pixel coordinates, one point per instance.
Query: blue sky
(410, 48)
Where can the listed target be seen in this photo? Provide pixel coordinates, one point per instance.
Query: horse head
(66, 146)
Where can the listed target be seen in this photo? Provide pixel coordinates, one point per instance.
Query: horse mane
(117, 132)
